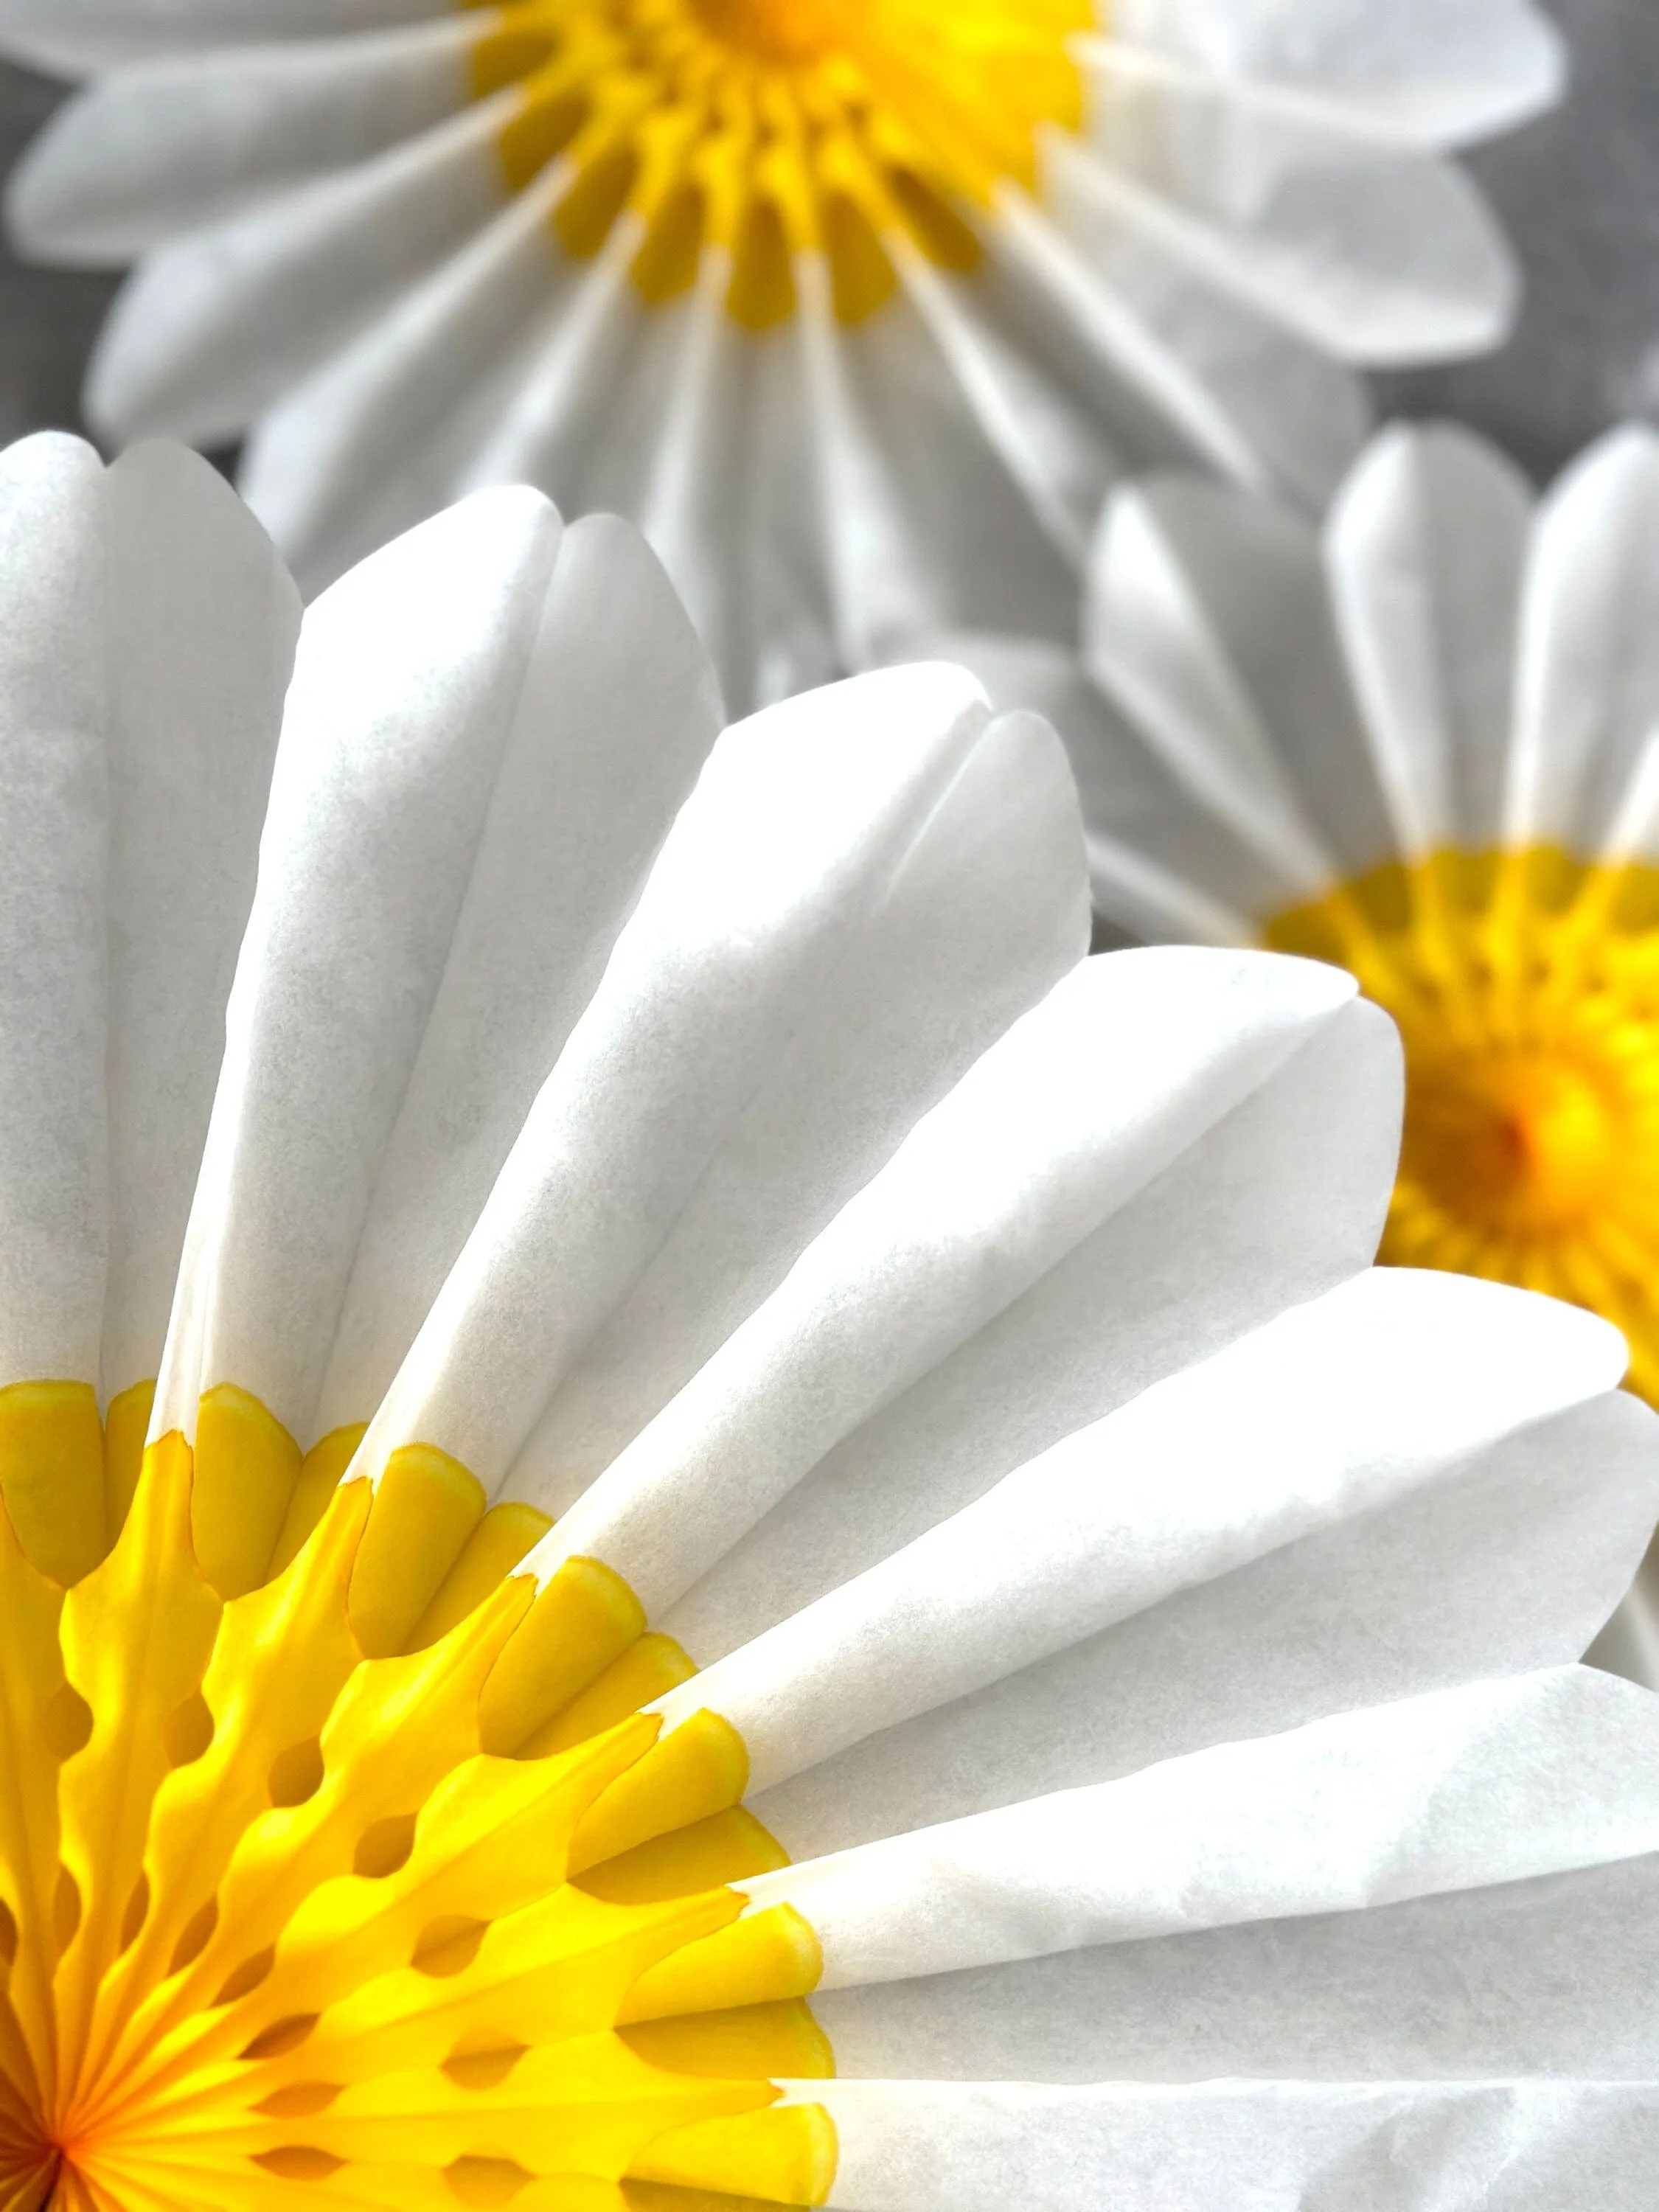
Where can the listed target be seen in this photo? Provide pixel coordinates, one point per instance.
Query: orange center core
(1526, 988)
(1513, 1138)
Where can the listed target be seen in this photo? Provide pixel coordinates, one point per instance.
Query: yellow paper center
(864, 130)
(1526, 987)
(368, 1881)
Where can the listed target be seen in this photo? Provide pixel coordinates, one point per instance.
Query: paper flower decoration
(1135, 1634)
(1424, 747)
(856, 305)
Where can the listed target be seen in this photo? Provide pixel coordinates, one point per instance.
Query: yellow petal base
(859, 128)
(286, 1919)
(1526, 986)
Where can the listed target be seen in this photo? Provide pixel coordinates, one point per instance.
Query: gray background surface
(1579, 191)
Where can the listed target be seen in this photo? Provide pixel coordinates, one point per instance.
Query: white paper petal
(1502, 1565)
(79, 35)
(1375, 253)
(985, 912)
(686, 495)
(1235, 391)
(616, 715)
(1205, 624)
(703, 430)
(922, 525)
(1338, 1408)
(1052, 447)
(54, 860)
(217, 323)
(1431, 72)
(1423, 552)
(408, 679)
(627, 409)
(1281, 1198)
(1369, 2146)
(1587, 680)
(783, 614)
(1497, 1782)
(166, 146)
(1104, 1089)
(1158, 864)
(343, 433)
(202, 622)
(881, 581)
(570, 358)
(1125, 348)
(768, 900)
(433, 473)
(1544, 1976)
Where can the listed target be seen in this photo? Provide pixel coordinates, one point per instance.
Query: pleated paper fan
(693, 1522)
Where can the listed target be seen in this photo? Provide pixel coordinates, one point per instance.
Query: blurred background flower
(1420, 744)
(1577, 191)
(858, 311)
(49, 318)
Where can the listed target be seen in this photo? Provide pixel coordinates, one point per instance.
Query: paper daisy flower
(856, 306)
(1426, 747)
(788, 1553)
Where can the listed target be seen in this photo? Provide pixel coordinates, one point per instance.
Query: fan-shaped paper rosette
(856, 307)
(1137, 1702)
(1424, 743)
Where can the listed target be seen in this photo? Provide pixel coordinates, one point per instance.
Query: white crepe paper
(1261, 711)
(1290, 1429)
(739, 935)
(1276, 1201)
(317, 1042)
(54, 873)
(557, 678)
(1281, 2145)
(149, 638)
(1494, 1783)
(965, 1220)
